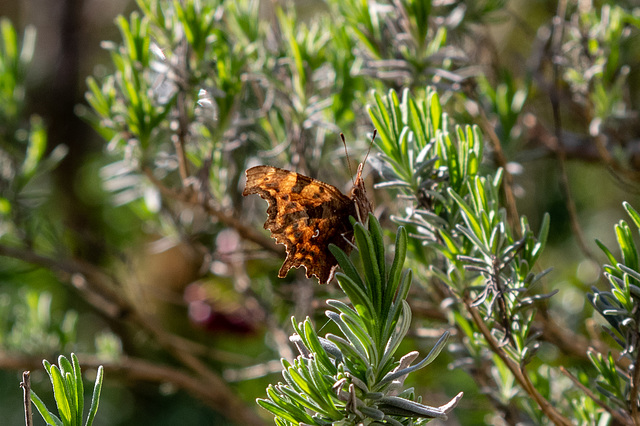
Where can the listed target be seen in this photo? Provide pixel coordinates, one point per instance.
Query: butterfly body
(306, 215)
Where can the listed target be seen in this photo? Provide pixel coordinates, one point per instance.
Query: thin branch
(179, 139)
(101, 286)
(26, 398)
(619, 416)
(518, 372)
(211, 209)
(633, 392)
(100, 290)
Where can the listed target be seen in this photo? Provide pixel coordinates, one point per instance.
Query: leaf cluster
(68, 391)
(354, 378)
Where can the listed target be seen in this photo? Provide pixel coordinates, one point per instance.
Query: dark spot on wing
(315, 212)
(299, 186)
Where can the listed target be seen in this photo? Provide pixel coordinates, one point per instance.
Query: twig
(101, 286)
(518, 372)
(633, 392)
(26, 399)
(211, 209)
(179, 139)
(623, 419)
(98, 288)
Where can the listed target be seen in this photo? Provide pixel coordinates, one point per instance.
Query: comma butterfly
(306, 215)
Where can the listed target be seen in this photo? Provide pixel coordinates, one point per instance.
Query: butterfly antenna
(373, 138)
(346, 151)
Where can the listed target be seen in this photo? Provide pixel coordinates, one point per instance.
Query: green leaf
(282, 409)
(357, 295)
(47, 416)
(632, 213)
(61, 395)
(435, 351)
(378, 243)
(348, 268)
(356, 339)
(73, 397)
(627, 245)
(370, 266)
(298, 375)
(79, 390)
(313, 344)
(95, 398)
(299, 401)
(351, 355)
(368, 341)
(542, 238)
(325, 404)
(10, 43)
(5, 206)
(396, 266)
(435, 110)
(382, 122)
(36, 148)
(468, 216)
(475, 240)
(65, 365)
(398, 332)
(390, 322)
(366, 320)
(607, 252)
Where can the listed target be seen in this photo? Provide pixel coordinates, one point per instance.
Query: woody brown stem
(518, 372)
(621, 417)
(26, 398)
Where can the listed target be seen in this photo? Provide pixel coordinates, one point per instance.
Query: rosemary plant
(355, 378)
(68, 392)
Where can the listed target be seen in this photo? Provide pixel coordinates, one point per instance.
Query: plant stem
(633, 393)
(26, 387)
(618, 415)
(518, 372)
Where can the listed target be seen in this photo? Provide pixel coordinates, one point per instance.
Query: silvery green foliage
(354, 378)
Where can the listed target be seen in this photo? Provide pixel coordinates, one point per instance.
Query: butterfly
(306, 215)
